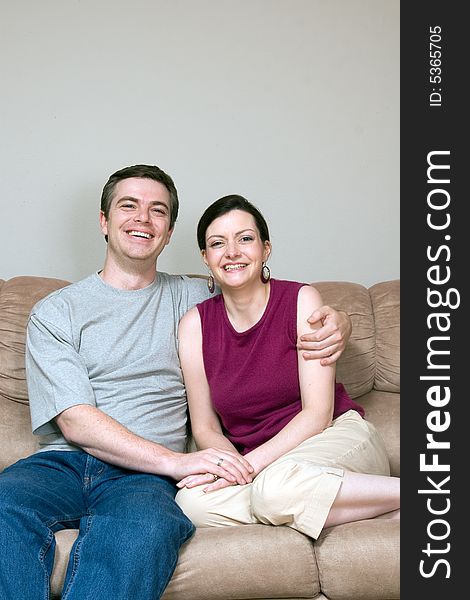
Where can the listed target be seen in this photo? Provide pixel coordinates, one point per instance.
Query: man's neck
(131, 278)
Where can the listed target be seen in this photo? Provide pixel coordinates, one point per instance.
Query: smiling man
(108, 400)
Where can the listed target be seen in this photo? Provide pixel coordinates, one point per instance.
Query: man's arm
(103, 437)
(328, 342)
(61, 396)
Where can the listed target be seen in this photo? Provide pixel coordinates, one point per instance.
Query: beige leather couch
(356, 561)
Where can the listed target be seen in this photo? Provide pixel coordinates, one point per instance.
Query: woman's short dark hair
(224, 205)
(143, 172)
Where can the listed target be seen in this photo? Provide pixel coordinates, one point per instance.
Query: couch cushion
(276, 561)
(250, 561)
(356, 367)
(360, 560)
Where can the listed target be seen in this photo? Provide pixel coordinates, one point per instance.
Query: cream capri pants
(297, 489)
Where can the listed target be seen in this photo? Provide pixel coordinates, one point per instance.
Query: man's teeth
(234, 267)
(140, 234)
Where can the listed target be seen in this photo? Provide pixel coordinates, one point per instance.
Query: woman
(316, 461)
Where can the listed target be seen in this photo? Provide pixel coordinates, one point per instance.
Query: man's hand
(209, 465)
(105, 438)
(328, 342)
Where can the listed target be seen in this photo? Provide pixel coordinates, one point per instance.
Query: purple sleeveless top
(253, 375)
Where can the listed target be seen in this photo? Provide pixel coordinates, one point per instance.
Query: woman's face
(234, 250)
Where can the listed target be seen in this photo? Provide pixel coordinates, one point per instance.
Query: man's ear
(168, 236)
(103, 223)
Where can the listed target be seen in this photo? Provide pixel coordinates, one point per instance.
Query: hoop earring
(265, 273)
(211, 283)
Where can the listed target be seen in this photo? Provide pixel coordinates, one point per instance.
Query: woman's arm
(205, 424)
(330, 338)
(317, 388)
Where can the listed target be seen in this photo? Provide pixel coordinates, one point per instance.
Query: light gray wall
(294, 104)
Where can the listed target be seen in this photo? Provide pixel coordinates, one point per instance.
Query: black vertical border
(429, 127)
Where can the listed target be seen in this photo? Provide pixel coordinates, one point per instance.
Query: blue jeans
(131, 529)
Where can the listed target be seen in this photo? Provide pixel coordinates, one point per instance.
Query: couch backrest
(370, 362)
(372, 357)
(17, 297)
(385, 298)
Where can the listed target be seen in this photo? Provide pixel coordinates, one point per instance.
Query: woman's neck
(245, 307)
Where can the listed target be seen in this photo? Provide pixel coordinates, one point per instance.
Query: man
(107, 397)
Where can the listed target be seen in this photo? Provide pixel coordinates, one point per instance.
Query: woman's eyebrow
(220, 235)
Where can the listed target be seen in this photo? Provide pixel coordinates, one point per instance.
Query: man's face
(138, 224)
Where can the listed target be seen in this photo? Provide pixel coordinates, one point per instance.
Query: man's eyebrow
(132, 199)
(126, 199)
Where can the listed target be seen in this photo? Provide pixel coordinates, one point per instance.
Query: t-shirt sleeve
(56, 376)
(197, 290)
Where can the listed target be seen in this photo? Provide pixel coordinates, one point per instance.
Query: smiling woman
(234, 240)
(250, 391)
(235, 254)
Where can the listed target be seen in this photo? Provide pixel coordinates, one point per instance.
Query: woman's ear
(203, 254)
(267, 250)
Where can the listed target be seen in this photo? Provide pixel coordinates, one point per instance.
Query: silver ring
(215, 477)
(220, 461)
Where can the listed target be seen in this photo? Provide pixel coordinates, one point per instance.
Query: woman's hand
(213, 482)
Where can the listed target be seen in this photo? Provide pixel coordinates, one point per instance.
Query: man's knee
(162, 524)
(154, 537)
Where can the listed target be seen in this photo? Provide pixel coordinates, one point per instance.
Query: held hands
(213, 466)
(213, 482)
(328, 342)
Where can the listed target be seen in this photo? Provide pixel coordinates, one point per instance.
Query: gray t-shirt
(90, 343)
